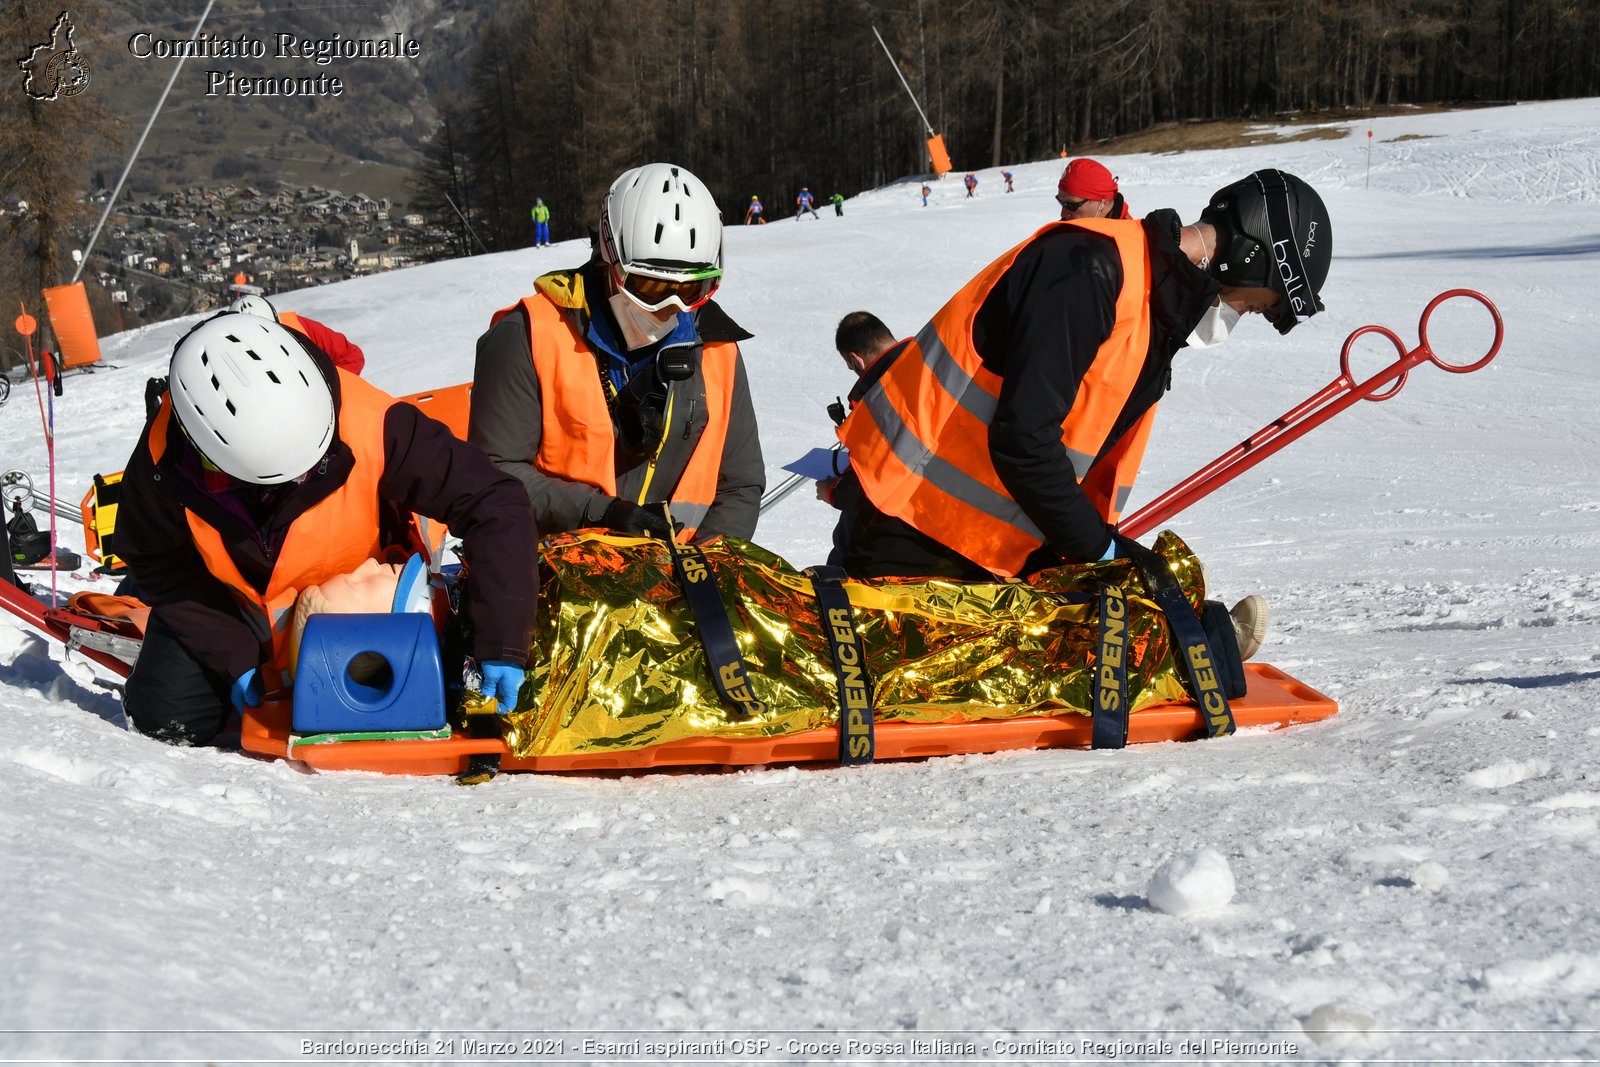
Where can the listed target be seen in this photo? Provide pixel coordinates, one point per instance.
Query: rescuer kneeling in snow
(267, 470)
(1005, 437)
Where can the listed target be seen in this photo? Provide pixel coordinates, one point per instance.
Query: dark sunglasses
(1070, 205)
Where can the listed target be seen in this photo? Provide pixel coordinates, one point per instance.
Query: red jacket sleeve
(345, 354)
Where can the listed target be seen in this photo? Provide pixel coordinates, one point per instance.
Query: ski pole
(782, 490)
(57, 508)
(17, 485)
(26, 325)
(53, 374)
(1312, 412)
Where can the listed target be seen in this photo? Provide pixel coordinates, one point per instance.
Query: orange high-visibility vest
(332, 537)
(919, 437)
(292, 321)
(578, 438)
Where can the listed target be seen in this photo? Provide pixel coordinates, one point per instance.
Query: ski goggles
(655, 288)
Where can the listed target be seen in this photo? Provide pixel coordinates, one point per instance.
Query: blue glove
(247, 689)
(503, 681)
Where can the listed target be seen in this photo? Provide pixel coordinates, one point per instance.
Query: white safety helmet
(251, 399)
(661, 235)
(254, 305)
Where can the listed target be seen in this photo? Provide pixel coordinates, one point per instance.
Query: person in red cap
(1088, 191)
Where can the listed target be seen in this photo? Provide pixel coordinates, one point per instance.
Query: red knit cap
(1087, 180)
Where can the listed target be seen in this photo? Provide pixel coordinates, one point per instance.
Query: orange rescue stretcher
(1275, 700)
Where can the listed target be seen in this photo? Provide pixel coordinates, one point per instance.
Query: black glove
(625, 516)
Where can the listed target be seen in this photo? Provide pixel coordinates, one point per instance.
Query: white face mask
(640, 327)
(1214, 328)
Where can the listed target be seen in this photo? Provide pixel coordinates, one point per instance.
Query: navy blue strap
(728, 672)
(1110, 716)
(849, 664)
(1188, 637)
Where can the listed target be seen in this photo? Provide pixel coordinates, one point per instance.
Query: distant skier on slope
(541, 223)
(805, 202)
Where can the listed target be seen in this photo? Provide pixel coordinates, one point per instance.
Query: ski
(65, 561)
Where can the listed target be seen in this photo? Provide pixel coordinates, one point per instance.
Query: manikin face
(367, 590)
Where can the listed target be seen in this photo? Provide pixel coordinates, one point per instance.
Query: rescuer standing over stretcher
(1006, 436)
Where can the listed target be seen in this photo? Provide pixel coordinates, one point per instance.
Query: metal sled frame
(1275, 700)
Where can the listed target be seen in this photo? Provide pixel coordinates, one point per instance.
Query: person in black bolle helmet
(1271, 230)
(1006, 435)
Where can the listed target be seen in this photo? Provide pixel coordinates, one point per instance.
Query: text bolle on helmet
(661, 234)
(251, 399)
(1273, 230)
(254, 305)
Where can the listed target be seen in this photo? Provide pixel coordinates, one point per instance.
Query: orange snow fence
(74, 326)
(937, 153)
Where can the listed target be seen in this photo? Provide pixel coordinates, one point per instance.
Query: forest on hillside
(760, 99)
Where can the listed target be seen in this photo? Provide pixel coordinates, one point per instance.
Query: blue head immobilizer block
(368, 673)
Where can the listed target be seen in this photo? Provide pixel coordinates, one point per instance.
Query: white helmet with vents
(661, 235)
(250, 304)
(251, 399)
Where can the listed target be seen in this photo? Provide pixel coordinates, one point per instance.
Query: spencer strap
(849, 664)
(728, 671)
(1110, 718)
(1193, 652)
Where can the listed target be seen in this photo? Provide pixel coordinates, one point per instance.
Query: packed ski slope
(1414, 878)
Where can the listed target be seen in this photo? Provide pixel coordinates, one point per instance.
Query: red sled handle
(35, 614)
(1315, 410)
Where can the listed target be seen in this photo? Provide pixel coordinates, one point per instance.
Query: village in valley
(185, 251)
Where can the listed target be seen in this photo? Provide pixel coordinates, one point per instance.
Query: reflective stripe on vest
(919, 438)
(577, 437)
(331, 538)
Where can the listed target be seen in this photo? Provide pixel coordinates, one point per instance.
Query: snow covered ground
(1414, 878)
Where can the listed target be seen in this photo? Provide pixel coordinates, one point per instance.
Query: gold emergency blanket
(617, 662)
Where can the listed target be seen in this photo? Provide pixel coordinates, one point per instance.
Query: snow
(1413, 878)
(1192, 883)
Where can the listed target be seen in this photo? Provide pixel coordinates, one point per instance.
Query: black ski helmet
(1273, 230)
